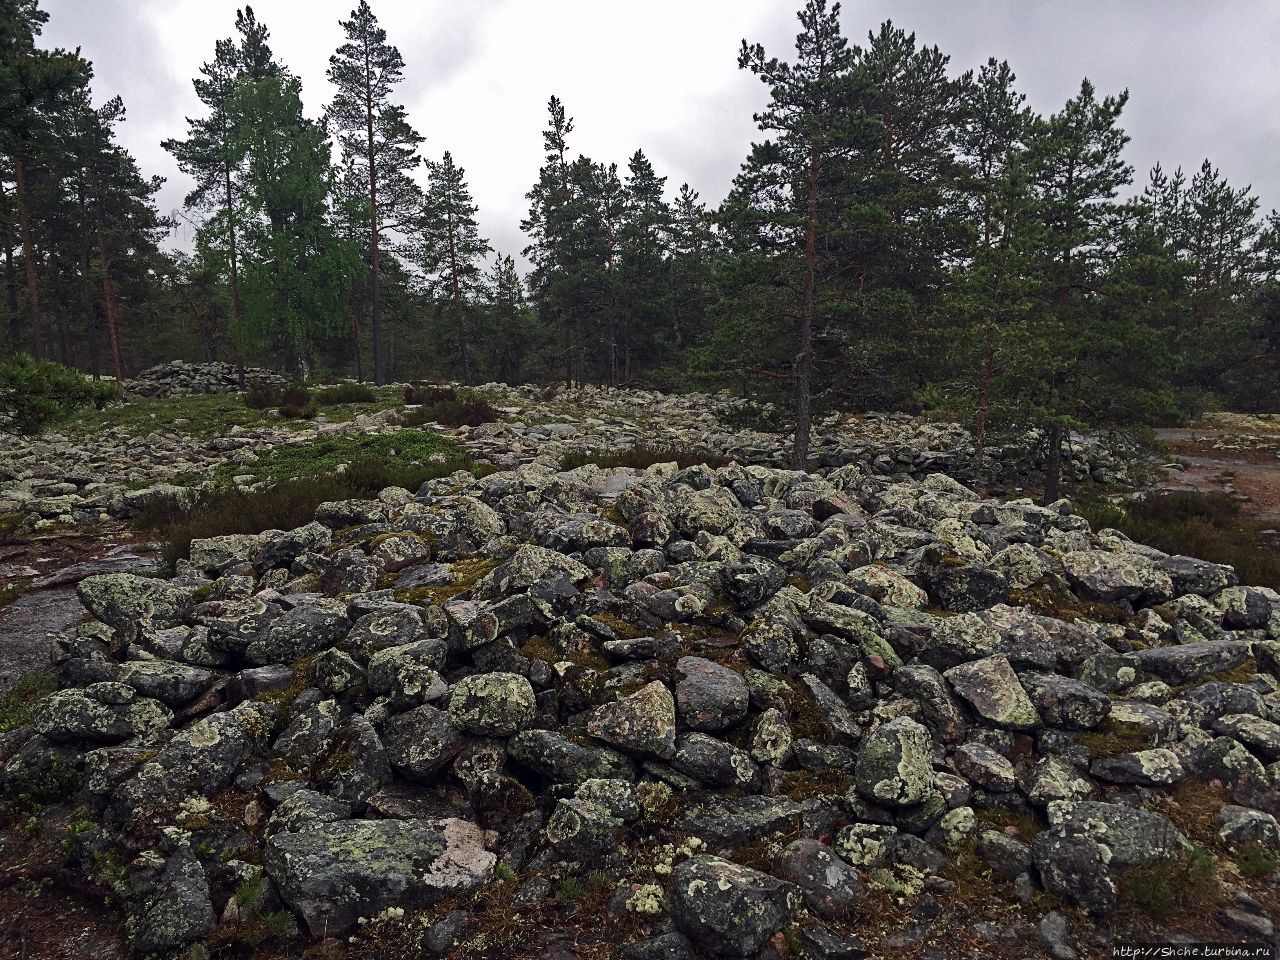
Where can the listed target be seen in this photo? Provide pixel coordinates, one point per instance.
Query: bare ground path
(1246, 465)
(47, 568)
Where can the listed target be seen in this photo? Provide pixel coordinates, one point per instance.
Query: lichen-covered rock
(1259, 735)
(492, 704)
(888, 587)
(300, 632)
(333, 874)
(173, 684)
(562, 760)
(126, 601)
(715, 762)
(829, 885)
(1134, 836)
(1066, 703)
(100, 713)
(1106, 576)
(421, 742)
(981, 765)
(409, 674)
(894, 765)
(993, 690)
(1146, 768)
(643, 722)
(728, 909)
(1075, 868)
(1243, 827)
(199, 761)
(180, 912)
(1189, 662)
(709, 697)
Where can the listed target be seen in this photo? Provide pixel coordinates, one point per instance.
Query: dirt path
(1246, 470)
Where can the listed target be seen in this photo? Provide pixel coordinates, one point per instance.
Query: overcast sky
(662, 75)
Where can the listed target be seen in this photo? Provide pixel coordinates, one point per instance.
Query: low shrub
(466, 410)
(18, 703)
(348, 392)
(35, 394)
(643, 455)
(428, 393)
(301, 477)
(296, 403)
(262, 396)
(1210, 526)
(1189, 886)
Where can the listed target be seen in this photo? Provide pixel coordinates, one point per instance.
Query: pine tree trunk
(375, 259)
(804, 359)
(464, 353)
(28, 254)
(11, 288)
(237, 309)
(355, 323)
(1053, 466)
(109, 302)
(11, 296)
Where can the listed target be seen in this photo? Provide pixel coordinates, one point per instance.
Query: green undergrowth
(1211, 526)
(203, 416)
(301, 477)
(409, 454)
(1162, 891)
(19, 701)
(641, 456)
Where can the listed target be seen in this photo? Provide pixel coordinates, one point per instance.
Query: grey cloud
(664, 77)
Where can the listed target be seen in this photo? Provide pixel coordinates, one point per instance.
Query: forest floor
(1230, 454)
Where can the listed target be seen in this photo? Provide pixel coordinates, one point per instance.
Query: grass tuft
(19, 702)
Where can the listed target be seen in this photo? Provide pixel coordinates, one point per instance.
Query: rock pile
(58, 480)
(745, 701)
(893, 444)
(179, 377)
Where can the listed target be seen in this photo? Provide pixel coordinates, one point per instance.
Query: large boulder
(492, 704)
(127, 602)
(643, 722)
(894, 765)
(1110, 577)
(180, 912)
(708, 696)
(100, 713)
(728, 909)
(993, 690)
(332, 874)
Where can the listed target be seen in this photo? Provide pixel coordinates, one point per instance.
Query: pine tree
(450, 252)
(31, 81)
(509, 319)
(376, 135)
(297, 269)
(211, 153)
(989, 286)
(644, 285)
(553, 209)
(1076, 169)
(692, 248)
(789, 180)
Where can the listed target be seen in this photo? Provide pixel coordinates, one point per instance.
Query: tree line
(903, 235)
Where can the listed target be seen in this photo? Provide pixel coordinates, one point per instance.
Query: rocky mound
(890, 444)
(743, 702)
(179, 376)
(56, 480)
